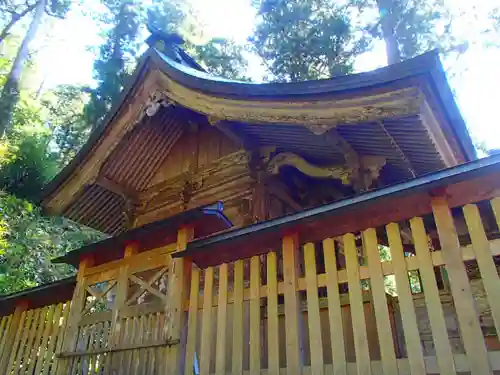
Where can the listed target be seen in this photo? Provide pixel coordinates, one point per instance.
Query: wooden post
(294, 352)
(10, 346)
(468, 319)
(77, 304)
(178, 288)
(119, 303)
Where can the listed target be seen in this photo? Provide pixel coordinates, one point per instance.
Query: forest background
(63, 64)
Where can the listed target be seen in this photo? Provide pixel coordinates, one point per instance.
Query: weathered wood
(487, 267)
(220, 350)
(4, 330)
(60, 337)
(313, 319)
(334, 309)
(45, 338)
(408, 316)
(357, 308)
(77, 305)
(24, 345)
(12, 337)
(179, 280)
(36, 355)
(432, 299)
(206, 328)
(255, 319)
(237, 353)
(293, 340)
(273, 350)
(462, 295)
(192, 321)
(377, 285)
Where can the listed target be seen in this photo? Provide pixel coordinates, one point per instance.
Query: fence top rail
(207, 219)
(39, 296)
(462, 184)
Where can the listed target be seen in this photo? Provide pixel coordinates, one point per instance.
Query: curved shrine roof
(405, 112)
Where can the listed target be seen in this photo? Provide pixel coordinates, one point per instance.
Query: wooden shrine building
(339, 226)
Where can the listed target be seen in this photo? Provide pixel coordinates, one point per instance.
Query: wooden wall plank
(77, 305)
(192, 321)
(29, 330)
(313, 319)
(468, 319)
(255, 320)
(33, 357)
(334, 308)
(4, 331)
(15, 334)
(385, 335)
(432, 299)
(292, 315)
(237, 355)
(61, 329)
(273, 350)
(408, 316)
(356, 306)
(484, 259)
(206, 328)
(42, 356)
(220, 350)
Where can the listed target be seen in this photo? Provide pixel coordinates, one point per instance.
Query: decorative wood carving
(290, 159)
(368, 172)
(361, 176)
(227, 179)
(155, 101)
(318, 115)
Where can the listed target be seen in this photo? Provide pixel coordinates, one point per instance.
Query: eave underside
(381, 121)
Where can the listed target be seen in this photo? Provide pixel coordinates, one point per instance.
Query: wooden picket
(313, 308)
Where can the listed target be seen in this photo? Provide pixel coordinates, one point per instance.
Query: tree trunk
(388, 23)
(14, 19)
(10, 91)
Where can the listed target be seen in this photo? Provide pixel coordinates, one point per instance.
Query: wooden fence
(31, 338)
(266, 314)
(306, 308)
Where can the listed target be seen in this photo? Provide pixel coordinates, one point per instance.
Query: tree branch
(15, 17)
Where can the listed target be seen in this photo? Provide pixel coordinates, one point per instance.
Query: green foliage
(116, 55)
(29, 240)
(64, 106)
(417, 26)
(220, 57)
(303, 40)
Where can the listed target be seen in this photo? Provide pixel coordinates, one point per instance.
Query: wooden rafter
(395, 144)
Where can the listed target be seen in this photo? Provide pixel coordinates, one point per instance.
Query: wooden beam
(226, 128)
(114, 187)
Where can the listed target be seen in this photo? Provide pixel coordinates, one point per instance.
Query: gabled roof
(405, 112)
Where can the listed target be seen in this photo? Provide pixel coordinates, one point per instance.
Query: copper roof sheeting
(139, 155)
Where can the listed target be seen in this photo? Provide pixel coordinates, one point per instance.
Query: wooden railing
(267, 313)
(342, 304)
(30, 339)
